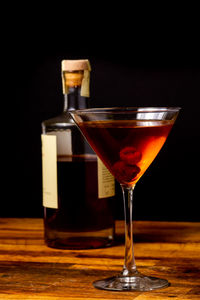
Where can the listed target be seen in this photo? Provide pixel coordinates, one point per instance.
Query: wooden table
(31, 270)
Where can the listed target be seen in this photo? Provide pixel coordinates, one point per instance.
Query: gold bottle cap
(76, 65)
(76, 73)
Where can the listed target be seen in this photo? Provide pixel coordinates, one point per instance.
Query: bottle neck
(73, 100)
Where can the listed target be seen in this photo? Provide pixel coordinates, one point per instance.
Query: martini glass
(127, 140)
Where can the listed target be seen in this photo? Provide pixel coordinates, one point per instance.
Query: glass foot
(138, 282)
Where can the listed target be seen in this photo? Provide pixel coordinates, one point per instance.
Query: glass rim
(124, 110)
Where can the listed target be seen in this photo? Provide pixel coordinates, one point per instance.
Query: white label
(49, 171)
(106, 181)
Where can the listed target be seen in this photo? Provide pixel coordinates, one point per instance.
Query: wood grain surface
(31, 270)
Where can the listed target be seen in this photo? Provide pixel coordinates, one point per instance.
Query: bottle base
(79, 240)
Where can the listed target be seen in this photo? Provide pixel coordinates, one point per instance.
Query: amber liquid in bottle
(82, 219)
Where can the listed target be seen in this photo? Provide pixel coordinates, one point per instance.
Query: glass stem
(129, 268)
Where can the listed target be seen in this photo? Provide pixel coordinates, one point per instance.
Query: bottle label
(59, 144)
(106, 181)
(85, 90)
(49, 171)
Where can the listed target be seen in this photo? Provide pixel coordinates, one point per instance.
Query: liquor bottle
(78, 190)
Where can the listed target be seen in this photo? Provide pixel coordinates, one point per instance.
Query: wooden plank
(31, 270)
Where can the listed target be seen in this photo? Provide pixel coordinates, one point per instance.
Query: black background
(138, 59)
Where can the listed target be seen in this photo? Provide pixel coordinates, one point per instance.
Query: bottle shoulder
(60, 122)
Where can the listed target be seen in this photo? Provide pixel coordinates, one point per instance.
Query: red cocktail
(127, 148)
(127, 140)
